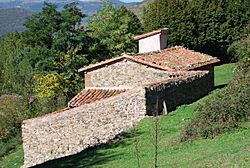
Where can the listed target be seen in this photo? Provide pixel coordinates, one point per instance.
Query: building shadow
(219, 86)
(94, 156)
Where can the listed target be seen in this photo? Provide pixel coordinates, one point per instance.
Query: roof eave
(101, 64)
(214, 61)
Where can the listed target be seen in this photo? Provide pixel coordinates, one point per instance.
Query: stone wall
(124, 73)
(209, 68)
(166, 96)
(70, 131)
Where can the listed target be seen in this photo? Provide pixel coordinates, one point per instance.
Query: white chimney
(152, 41)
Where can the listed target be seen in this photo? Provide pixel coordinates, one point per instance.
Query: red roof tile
(177, 58)
(171, 59)
(91, 95)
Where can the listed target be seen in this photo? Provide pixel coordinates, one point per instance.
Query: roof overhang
(160, 31)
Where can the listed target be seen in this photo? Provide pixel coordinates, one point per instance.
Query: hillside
(227, 150)
(87, 6)
(12, 20)
(138, 8)
(13, 13)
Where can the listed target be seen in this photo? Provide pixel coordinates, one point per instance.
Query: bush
(12, 113)
(224, 110)
(240, 49)
(14, 109)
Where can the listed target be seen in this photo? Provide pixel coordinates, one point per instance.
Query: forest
(38, 67)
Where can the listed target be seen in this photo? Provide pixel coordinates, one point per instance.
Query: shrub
(11, 116)
(240, 49)
(14, 109)
(12, 113)
(224, 110)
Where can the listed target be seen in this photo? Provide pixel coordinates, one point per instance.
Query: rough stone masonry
(70, 131)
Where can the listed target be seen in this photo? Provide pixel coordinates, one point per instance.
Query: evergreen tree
(206, 26)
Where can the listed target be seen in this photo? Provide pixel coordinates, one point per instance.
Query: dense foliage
(206, 26)
(115, 28)
(12, 113)
(40, 65)
(224, 110)
(240, 49)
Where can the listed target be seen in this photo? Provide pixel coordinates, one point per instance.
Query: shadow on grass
(219, 86)
(94, 156)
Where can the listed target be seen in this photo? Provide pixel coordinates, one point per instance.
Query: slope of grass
(227, 150)
(224, 73)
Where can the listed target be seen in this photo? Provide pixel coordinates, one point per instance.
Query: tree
(206, 26)
(69, 48)
(15, 69)
(115, 28)
(240, 49)
(41, 27)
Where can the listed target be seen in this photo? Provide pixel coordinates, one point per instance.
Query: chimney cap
(145, 35)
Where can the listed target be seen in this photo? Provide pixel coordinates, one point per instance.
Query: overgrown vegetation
(224, 110)
(11, 115)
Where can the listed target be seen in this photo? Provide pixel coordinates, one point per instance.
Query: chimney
(152, 41)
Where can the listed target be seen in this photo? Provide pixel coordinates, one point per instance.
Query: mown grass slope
(231, 149)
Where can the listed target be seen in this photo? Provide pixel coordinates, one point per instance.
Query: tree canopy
(115, 28)
(206, 26)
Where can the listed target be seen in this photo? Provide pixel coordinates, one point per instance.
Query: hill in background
(12, 20)
(138, 7)
(14, 12)
(87, 6)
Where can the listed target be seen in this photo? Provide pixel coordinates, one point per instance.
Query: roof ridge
(169, 59)
(158, 51)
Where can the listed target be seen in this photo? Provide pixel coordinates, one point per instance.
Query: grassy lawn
(230, 149)
(224, 73)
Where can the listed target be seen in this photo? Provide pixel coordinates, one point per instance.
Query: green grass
(224, 73)
(231, 149)
(13, 160)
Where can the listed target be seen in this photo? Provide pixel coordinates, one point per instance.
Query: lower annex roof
(92, 95)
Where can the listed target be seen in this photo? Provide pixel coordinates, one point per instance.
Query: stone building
(118, 93)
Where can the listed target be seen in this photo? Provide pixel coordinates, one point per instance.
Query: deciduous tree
(115, 28)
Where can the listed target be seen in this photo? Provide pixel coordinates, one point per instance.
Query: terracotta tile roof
(91, 95)
(170, 59)
(164, 30)
(177, 58)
